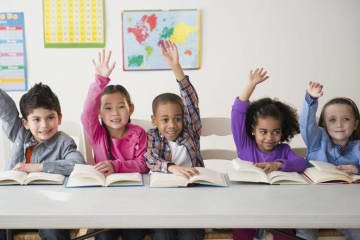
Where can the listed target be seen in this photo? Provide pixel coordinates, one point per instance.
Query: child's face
(115, 111)
(42, 123)
(169, 120)
(340, 123)
(267, 133)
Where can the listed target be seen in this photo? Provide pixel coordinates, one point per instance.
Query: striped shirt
(158, 154)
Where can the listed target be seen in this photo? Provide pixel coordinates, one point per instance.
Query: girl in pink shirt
(118, 145)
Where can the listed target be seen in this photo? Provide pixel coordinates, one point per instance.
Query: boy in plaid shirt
(174, 145)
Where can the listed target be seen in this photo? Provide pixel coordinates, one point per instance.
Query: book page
(219, 165)
(355, 178)
(249, 170)
(208, 176)
(327, 167)
(247, 176)
(124, 179)
(280, 177)
(158, 179)
(12, 177)
(44, 178)
(85, 175)
(318, 176)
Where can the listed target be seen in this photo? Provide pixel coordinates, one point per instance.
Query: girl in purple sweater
(259, 130)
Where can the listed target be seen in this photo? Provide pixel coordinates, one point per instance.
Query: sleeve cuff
(309, 99)
(49, 167)
(102, 81)
(240, 106)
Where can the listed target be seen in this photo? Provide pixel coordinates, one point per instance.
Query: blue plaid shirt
(158, 154)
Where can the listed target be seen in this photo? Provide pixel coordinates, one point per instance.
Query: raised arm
(310, 131)
(89, 116)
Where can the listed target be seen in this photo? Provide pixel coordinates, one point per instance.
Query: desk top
(240, 205)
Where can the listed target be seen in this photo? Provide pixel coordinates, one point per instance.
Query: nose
(172, 123)
(44, 123)
(115, 111)
(339, 123)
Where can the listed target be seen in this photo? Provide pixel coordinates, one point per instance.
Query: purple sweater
(248, 150)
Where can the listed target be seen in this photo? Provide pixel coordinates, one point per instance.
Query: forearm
(178, 71)
(293, 164)
(247, 91)
(238, 115)
(128, 166)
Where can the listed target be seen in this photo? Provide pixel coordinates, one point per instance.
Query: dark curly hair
(39, 96)
(167, 98)
(267, 107)
(345, 101)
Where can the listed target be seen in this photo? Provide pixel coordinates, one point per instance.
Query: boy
(38, 145)
(174, 145)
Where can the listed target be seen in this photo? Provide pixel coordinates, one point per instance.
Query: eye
(51, 117)
(36, 119)
(347, 119)
(178, 119)
(165, 120)
(277, 132)
(107, 108)
(332, 120)
(263, 132)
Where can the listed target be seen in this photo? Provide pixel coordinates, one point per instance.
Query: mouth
(45, 132)
(115, 120)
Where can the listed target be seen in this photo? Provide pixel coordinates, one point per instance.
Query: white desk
(247, 206)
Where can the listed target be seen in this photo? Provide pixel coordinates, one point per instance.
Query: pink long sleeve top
(127, 151)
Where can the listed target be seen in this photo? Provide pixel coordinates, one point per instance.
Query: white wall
(295, 40)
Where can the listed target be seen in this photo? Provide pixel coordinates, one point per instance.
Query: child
(259, 129)
(118, 145)
(334, 140)
(174, 145)
(38, 145)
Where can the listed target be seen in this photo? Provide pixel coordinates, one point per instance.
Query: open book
(13, 177)
(245, 171)
(325, 172)
(86, 176)
(205, 176)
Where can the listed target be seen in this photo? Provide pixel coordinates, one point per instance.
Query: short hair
(345, 101)
(39, 96)
(110, 89)
(267, 107)
(167, 98)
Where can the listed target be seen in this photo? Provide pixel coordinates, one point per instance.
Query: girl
(118, 145)
(335, 139)
(259, 129)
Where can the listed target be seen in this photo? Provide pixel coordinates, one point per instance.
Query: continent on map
(146, 24)
(182, 32)
(135, 61)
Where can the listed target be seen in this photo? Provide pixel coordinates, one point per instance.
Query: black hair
(167, 98)
(267, 107)
(346, 101)
(39, 96)
(109, 90)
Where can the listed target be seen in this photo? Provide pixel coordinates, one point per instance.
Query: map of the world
(143, 30)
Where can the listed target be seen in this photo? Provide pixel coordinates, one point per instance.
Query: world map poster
(144, 30)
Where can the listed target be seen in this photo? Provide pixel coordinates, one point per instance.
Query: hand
(314, 89)
(349, 169)
(29, 167)
(183, 171)
(105, 167)
(102, 68)
(268, 167)
(169, 52)
(258, 76)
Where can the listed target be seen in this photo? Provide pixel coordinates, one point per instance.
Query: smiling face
(340, 123)
(267, 133)
(169, 120)
(42, 123)
(115, 111)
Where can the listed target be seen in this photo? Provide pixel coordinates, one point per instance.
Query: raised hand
(169, 52)
(183, 171)
(314, 89)
(258, 76)
(102, 67)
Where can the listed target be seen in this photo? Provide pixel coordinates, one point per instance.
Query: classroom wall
(295, 40)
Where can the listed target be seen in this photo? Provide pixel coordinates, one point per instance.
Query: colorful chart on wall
(143, 30)
(12, 52)
(74, 23)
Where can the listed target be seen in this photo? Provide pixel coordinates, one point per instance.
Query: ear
(25, 123)
(60, 118)
(131, 109)
(356, 124)
(153, 120)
